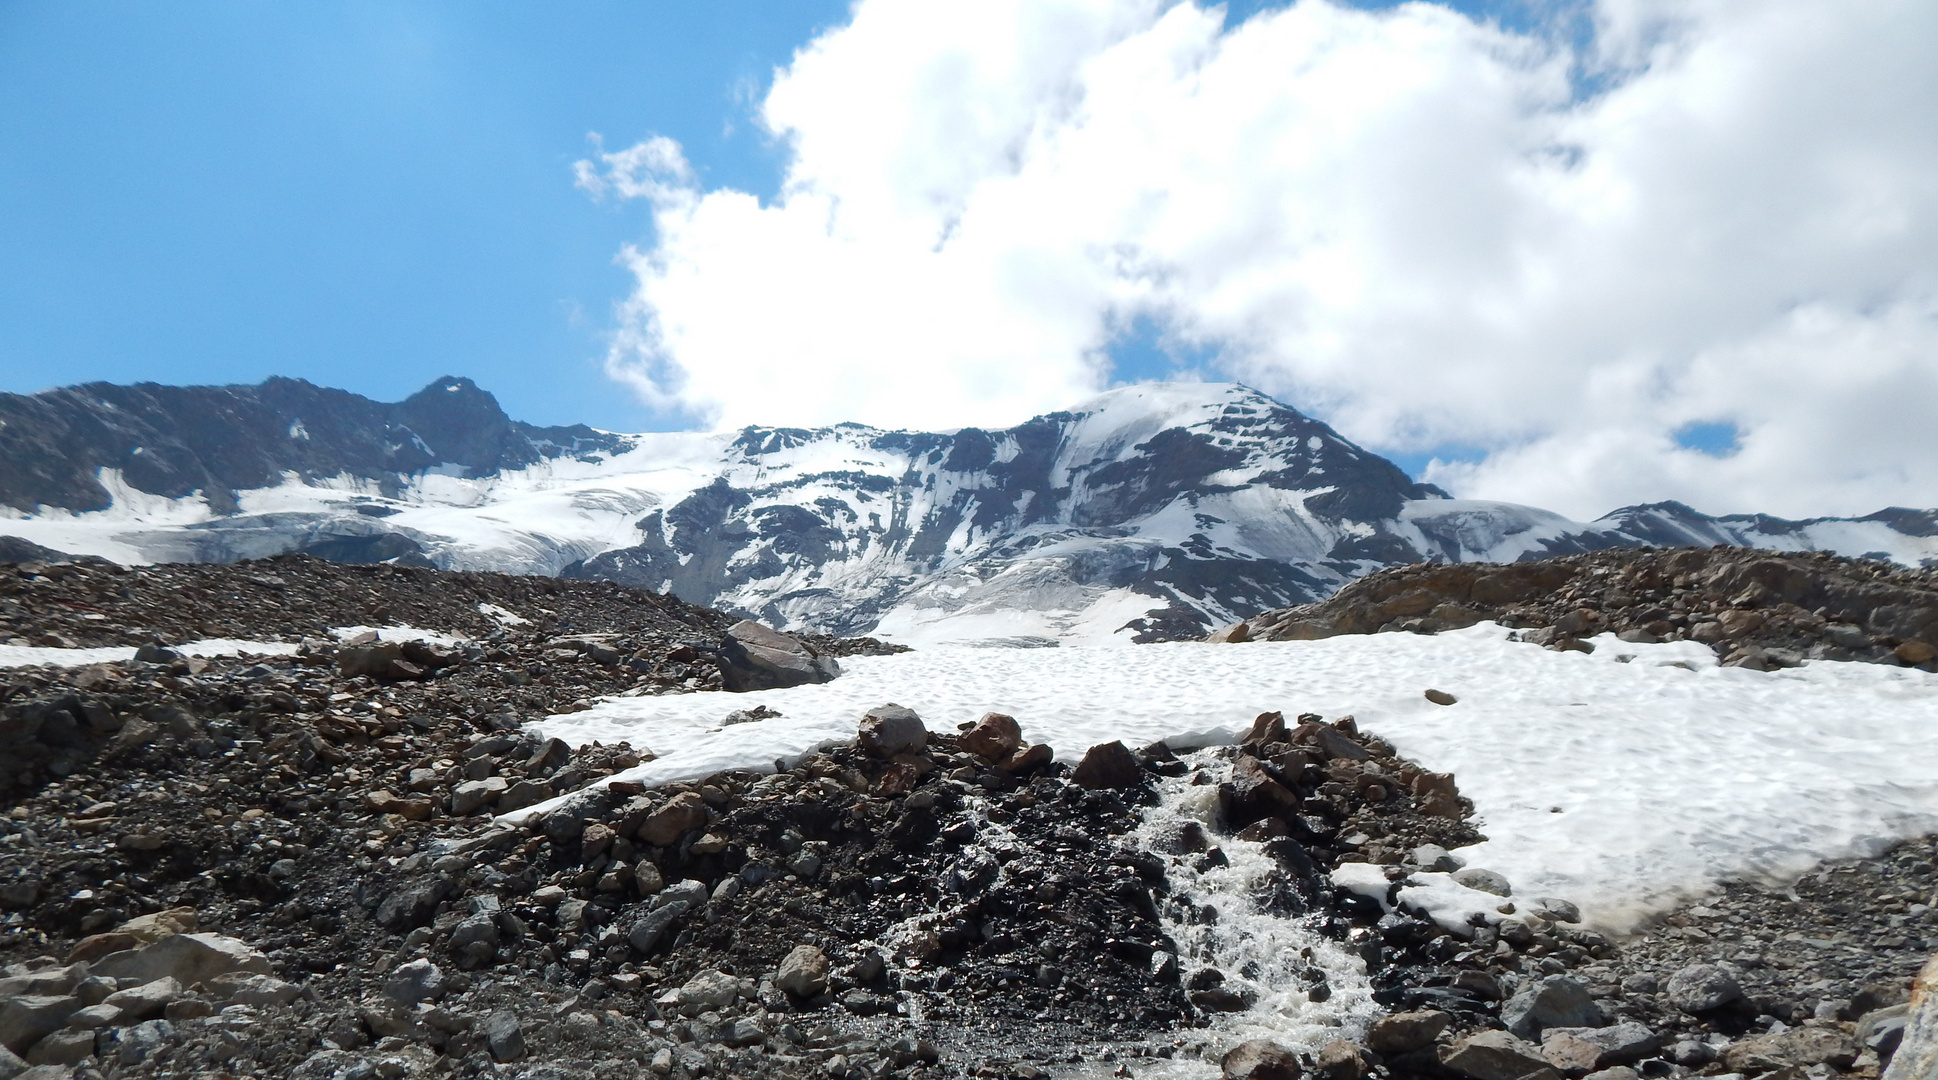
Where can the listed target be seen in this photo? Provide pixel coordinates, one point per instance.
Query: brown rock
(1403, 1033)
(1230, 635)
(994, 737)
(1915, 652)
(1339, 1060)
(897, 779)
(1027, 760)
(594, 840)
(890, 729)
(665, 825)
(1497, 1055)
(1441, 697)
(1260, 1060)
(1108, 765)
(1801, 1047)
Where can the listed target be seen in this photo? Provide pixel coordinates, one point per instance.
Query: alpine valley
(1150, 512)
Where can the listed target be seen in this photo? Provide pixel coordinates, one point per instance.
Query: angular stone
(1260, 1059)
(1554, 1001)
(673, 818)
(1619, 1044)
(415, 981)
(890, 729)
(408, 909)
(139, 1043)
(256, 991)
(709, 990)
(504, 1036)
(1701, 988)
(1403, 1033)
(1799, 1047)
(26, 1019)
(647, 932)
(1026, 760)
(68, 1047)
(146, 1001)
(1497, 1055)
(803, 972)
(1108, 765)
(754, 657)
(522, 794)
(189, 958)
(994, 737)
(473, 795)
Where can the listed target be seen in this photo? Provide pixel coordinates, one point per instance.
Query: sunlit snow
(1624, 785)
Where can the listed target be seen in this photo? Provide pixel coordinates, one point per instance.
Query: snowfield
(1625, 780)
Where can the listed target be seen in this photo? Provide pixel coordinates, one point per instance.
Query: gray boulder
(1917, 1054)
(1554, 1001)
(890, 729)
(1702, 988)
(803, 972)
(27, 1019)
(754, 657)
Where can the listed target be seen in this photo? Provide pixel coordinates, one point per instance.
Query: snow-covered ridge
(1149, 511)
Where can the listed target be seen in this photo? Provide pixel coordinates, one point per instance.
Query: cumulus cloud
(1425, 229)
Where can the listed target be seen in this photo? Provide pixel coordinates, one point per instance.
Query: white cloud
(1406, 222)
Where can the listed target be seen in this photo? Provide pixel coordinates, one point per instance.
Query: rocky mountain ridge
(1152, 512)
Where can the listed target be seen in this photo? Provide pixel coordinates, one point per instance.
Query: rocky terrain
(1757, 609)
(290, 866)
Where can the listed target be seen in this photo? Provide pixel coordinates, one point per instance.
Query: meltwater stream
(1305, 989)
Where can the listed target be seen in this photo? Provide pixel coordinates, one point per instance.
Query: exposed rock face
(220, 440)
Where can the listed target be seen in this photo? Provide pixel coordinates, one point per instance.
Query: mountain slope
(1151, 511)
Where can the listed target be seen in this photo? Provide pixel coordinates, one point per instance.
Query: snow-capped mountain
(1151, 511)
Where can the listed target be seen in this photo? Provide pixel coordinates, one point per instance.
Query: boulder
(188, 958)
(803, 972)
(754, 657)
(415, 981)
(146, 1001)
(1403, 1033)
(1590, 1048)
(374, 659)
(1260, 1059)
(673, 818)
(1702, 988)
(994, 737)
(504, 1036)
(26, 1019)
(1917, 1054)
(1486, 881)
(63, 1048)
(1497, 1055)
(1554, 1001)
(1796, 1048)
(890, 729)
(1108, 765)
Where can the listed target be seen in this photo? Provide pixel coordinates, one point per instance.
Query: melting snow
(1622, 785)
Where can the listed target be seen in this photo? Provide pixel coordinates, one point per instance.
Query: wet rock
(890, 729)
(1403, 1033)
(1702, 988)
(1108, 765)
(1441, 697)
(1027, 760)
(1259, 1059)
(994, 737)
(803, 972)
(1497, 1055)
(1554, 1001)
(1338, 1060)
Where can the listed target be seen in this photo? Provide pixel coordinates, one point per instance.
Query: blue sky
(367, 195)
(1572, 253)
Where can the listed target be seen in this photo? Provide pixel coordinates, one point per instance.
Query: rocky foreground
(291, 867)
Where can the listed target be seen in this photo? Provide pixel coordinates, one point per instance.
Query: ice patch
(1624, 786)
